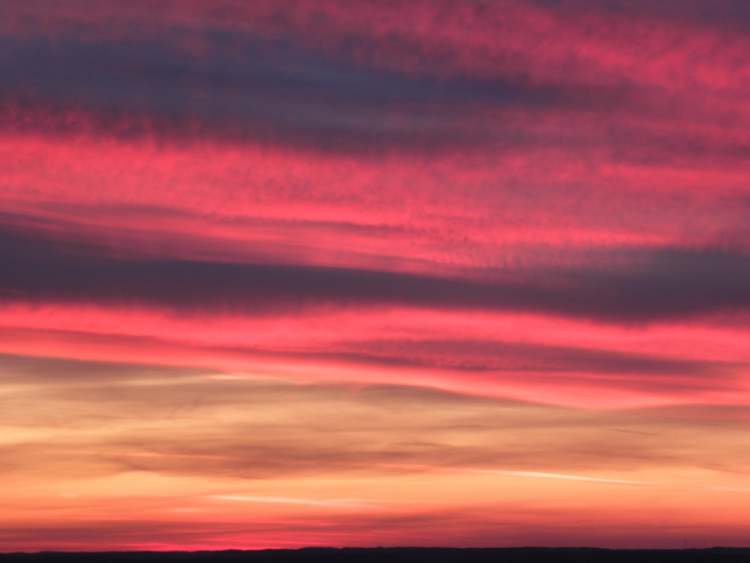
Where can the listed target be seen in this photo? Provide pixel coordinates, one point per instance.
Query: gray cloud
(500, 356)
(625, 286)
(245, 88)
(720, 14)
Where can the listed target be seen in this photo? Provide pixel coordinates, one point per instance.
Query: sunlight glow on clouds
(284, 273)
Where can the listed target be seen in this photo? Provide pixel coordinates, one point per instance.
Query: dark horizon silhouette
(397, 555)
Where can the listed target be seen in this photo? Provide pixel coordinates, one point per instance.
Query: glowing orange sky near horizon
(291, 273)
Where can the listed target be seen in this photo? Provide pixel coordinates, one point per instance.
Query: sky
(353, 273)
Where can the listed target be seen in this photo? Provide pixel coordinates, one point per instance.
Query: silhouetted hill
(397, 555)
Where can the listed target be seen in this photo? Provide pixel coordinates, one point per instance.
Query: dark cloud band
(231, 86)
(653, 285)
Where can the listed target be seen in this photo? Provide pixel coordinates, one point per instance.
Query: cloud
(562, 477)
(242, 429)
(238, 461)
(183, 88)
(237, 87)
(506, 525)
(324, 503)
(63, 372)
(650, 285)
(729, 15)
(365, 273)
(517, 357)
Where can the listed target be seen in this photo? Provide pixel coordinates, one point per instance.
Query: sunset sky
(284, 273)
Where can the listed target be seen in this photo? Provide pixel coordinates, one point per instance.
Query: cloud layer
(283, 269)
